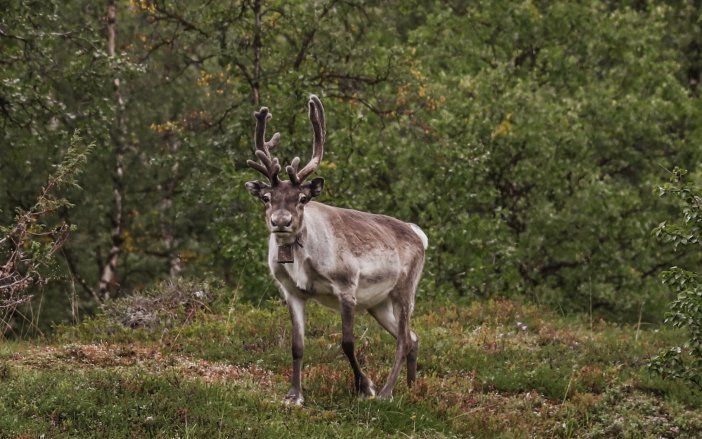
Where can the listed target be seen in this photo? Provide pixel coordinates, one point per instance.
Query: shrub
(28, 246)
(168, 304)
(685, 361)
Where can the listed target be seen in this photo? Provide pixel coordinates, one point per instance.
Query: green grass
(137, 403)
(221, 371)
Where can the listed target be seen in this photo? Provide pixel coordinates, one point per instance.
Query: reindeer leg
(296, 306)
(395, 318)
(383, 313)
(412, 359)
(362, 384)
(400, 355)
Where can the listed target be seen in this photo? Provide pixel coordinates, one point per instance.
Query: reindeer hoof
(367, 390)
(385, 395)
(294, 398)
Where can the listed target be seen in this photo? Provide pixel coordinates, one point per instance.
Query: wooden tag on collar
(285, 254)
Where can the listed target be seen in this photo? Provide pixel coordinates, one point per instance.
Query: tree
(523, 137)
(554, 119)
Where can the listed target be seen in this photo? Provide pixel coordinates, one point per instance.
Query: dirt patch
(110, 356)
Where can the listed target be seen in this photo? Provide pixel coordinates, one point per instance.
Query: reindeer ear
(314, 186)
(255, 187)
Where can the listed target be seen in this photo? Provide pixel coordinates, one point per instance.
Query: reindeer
(344, 259)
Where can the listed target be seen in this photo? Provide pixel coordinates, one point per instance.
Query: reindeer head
(285, 200)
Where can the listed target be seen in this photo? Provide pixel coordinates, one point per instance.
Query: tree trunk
(109, 267)
(257, 44)
(167, 190)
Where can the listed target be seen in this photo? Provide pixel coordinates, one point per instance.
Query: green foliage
(567, 135)
(683, 361)
(522, 137)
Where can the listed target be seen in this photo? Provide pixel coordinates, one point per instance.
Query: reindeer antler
(269, 166)
(316, 113)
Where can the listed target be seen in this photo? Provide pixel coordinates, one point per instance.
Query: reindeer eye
(266, 198)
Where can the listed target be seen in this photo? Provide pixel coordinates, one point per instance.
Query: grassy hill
(189, 364)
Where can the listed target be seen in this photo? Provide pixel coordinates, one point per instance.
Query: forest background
(528, 139)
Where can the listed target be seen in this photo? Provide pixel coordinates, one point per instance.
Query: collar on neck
(285, 251)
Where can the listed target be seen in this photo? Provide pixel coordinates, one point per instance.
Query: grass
(220, 369)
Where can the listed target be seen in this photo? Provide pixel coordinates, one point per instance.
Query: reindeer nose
(281, 219)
